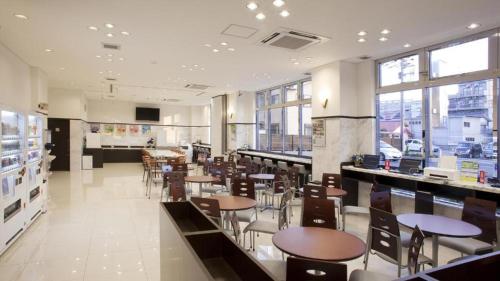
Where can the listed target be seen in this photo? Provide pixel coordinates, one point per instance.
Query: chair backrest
(384, 233)
(294, 176)
(171, 161)
(281, 181)
(244, 161)
(424, 203)
(208, 206)
(381, 200)
(481, 213)
(257, 160)
(174, 177)
(282, 165)
(416, 242)
(331, 180)
(180, 168)
(298, 269)
(244, 188)
(252, 168)
(319, 213)
(230, 158)
(315, 191)
(178, 191)
(235, 225)
(218, 159)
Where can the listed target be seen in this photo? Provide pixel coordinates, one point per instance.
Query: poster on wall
(319, 137)
(133, 130)
(121, 130)
(146, 130)
(108, 129)
(95, 128)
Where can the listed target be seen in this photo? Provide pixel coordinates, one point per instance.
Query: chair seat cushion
(262, 226)
(467, 246)
(246, 215)
(276, 267)
(363, 275)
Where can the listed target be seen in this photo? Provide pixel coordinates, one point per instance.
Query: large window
(450, 110)
(284, 123)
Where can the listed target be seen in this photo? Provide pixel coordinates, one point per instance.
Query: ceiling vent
(110, 46)
(196, 86)
(292, 39)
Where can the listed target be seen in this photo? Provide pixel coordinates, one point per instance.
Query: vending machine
(12, 175)
(34, 149)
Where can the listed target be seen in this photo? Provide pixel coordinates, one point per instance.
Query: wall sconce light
(325, 102)
(231, 115)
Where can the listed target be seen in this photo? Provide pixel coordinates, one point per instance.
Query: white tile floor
(100, 226)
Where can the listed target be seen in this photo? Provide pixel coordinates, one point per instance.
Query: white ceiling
(166, 34)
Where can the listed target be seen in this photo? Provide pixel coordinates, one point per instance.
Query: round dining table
(319, 243)
(436, 226)
(200, 180)
(234, 203)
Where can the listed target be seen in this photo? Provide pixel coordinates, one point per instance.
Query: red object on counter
(481, 176)
(387, 165)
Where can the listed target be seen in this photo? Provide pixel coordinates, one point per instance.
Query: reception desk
(453, 191)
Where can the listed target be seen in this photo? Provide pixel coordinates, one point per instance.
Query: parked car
(469, 150)
(389, 152)
(490, 150)
(414, 145)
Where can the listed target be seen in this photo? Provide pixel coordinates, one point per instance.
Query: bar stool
(270, 166)
(257, 160)
(282, 165)
(303, 174)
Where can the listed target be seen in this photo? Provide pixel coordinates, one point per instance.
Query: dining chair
(481, 213)
(155, 175)
(299, 269)
(282, 165)
(332, 180)
(145, 172)
(424, 203)
(415, 260)
(217, 186)
(178, 191)
(210, 207)
(218, 159)
(235, 226)
(269, 166)
(295, 185)
(278, 188)
(319, 213)
(381, 200)
(170, 178)
(269, 227)
(302, 172)
(257, 160)
(180, 168)
(245, 188)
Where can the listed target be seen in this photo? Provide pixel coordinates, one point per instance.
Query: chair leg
(343, 220)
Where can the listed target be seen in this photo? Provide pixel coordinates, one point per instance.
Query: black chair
(298, 269)
(319, 213)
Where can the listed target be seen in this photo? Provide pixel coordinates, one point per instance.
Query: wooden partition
(193, 247)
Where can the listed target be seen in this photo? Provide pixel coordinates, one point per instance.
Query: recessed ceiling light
(383, 39)
(473, 25)
(118, 74)
(385, 31)
(110, 55)
(252, 6)
(278, 3)
(207, 45)
(361, 40)
(122, 59)
(61, 68)
(284, 13)
(101, 72)
(110, 60)
(231, 49)
(260, 16)
(125, 33)
(21, 16)
(223, 43)
(296, 63)
(202, 68)
(93, 28)
(109, 35)
(362, 33)
(293, 59)
(407, 45)
(190, 69)
(98, 56)
(307, 58)
(48, 50)
(195, 65)
(215, 50)
(109, 25)
(183, 66)
(110, 71)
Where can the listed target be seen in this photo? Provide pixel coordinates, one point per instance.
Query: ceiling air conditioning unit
(292, 39)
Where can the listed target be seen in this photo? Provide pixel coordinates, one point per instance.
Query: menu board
(469, 171)
(146, 130)
(133, 130)
(319, 136)
(108, 129)
(121, 130)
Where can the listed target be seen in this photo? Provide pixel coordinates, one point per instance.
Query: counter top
(296, 159)
(459, 184)
(202, 145)
(162, 153)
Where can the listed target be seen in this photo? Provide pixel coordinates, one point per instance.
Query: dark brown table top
(335, 192)
(234, 203)
(439, 225)
(200, 179)
(262, 176)
(319, 243)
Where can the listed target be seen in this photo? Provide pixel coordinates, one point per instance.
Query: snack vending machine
(12, 175)
(34, 191)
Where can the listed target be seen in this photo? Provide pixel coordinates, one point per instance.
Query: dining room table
(201, 180)
(437, 226)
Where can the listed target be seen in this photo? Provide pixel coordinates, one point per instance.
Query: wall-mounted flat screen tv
(147, 114)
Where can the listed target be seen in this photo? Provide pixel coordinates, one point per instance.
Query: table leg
(200, 189)
(435, 247)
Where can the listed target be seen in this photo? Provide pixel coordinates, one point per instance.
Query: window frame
(426, 82)
(299, 102)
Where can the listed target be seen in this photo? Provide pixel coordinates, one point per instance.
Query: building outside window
(441, 101)
(284, 123)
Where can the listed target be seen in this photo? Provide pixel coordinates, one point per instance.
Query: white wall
(241, 125)
(66, 103)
